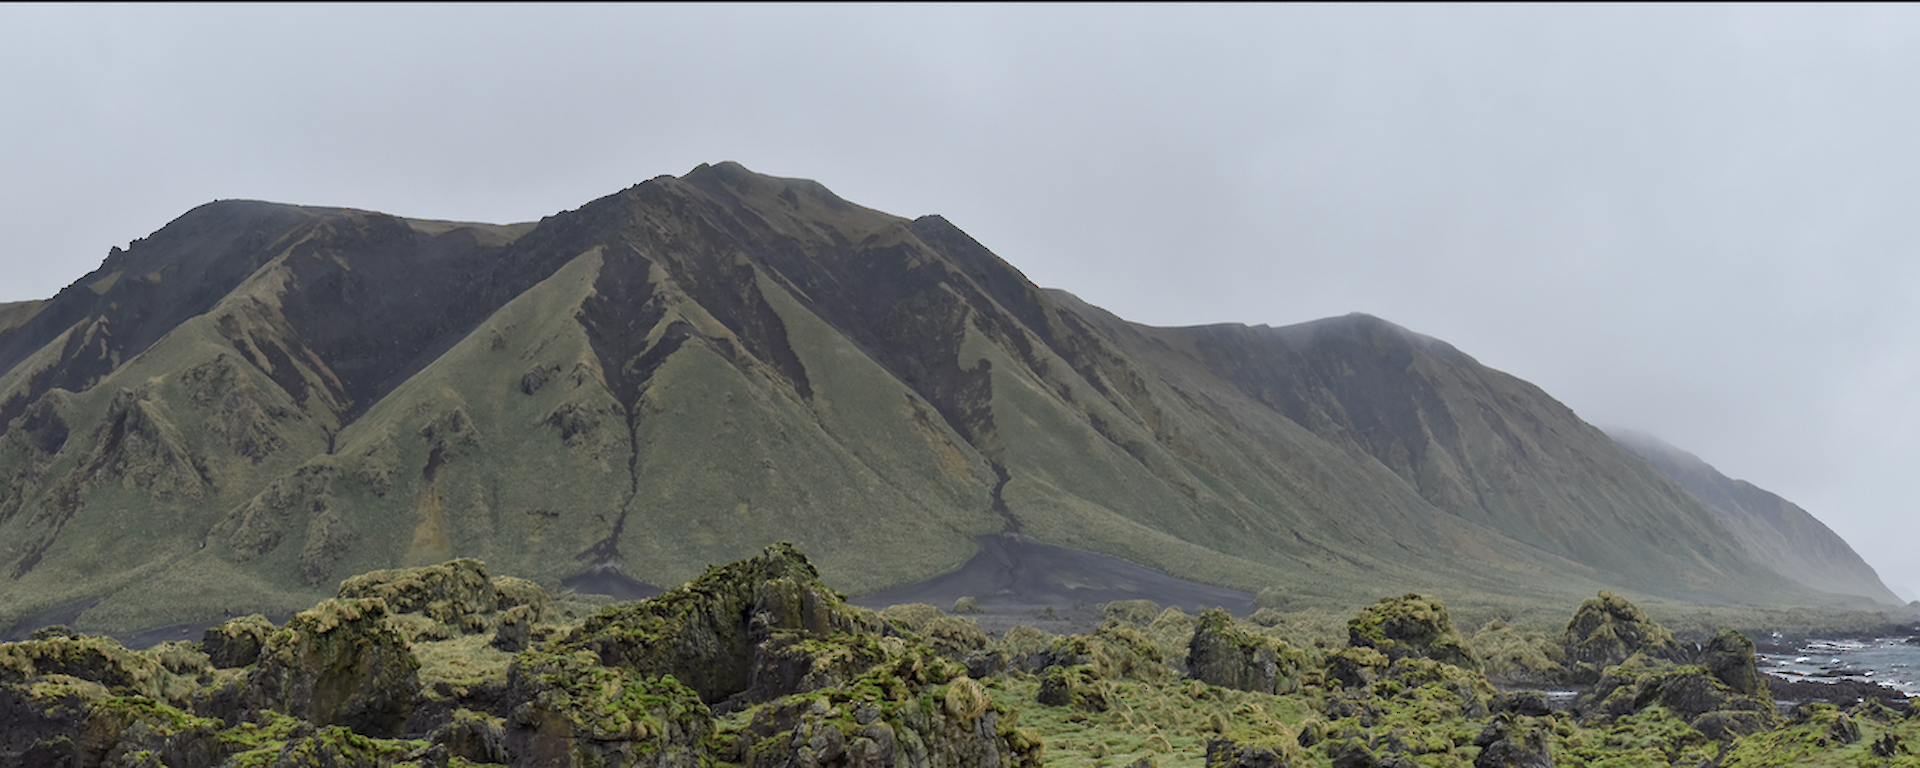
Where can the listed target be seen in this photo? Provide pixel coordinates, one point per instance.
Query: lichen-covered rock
(516, 592)
(1355, 667)
(1410, 625)
(236, 642)
(576, 712)
(955, 638)
(341, 662)
(1608, 629)
(472, 736)
(1514, 742)
(714, 633)
(1275, 753)
(457, 593)
(1075, 686)
(61, 720)
(1690, 692)
(514, 629)
(1516, 657)
(1227, 656)
(1729, 656)
(918, 710)
(92, 658)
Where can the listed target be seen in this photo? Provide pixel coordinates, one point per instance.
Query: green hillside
(236, 412)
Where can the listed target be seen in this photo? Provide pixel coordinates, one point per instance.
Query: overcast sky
(1693, 221)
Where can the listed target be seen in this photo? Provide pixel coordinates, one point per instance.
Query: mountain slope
(1790, 539)
(260, 398)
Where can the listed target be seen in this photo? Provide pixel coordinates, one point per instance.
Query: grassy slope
(517, 443)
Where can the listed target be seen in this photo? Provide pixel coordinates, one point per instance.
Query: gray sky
(1685, 220)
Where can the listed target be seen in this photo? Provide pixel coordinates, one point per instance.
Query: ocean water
(1890, 661)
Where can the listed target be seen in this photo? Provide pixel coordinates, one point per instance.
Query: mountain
(258, 399)
(1794, 542)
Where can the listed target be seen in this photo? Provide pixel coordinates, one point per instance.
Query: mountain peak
(689, 369)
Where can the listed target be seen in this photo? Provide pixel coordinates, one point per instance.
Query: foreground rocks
(406, 668)
(758, 663)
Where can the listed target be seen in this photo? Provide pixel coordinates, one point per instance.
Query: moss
(98, 659)
(1410, 625)
(1606, 630)
(457, 593)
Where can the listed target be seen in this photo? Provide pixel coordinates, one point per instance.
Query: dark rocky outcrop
(1226, 655)
(342, 662)
(727, 635)
(1514, 742)
(236, 642)
(341, 685)
(1410, 625)
(1691, 692)
(1608, 629)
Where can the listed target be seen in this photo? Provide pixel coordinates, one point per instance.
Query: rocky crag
(758, 663)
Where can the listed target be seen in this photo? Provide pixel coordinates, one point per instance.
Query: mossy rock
(574, 711)
(1608, 629)
(1513, 656)
(516, 592)
(93, 658)
(1225, 655)
(954, 637)
(1355, 667)
(1266, 753)
(711, 632)
(342, 662)
(236, 642)
(1410, 625)
(1511, 741)
(1729, 656)
(1076, 686)
(458, 593)
(1689, 692)
(916, 710)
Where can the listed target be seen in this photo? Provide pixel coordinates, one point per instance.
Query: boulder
(1410, 625)
(1227, 753)
(236, 642)
(1075, 686)
(729, 633)
(341, 662)
(1514, 742)
(1608, 629)
(1224, 655)
(457, 593)
(1729, 656)
(575, 712)
(1688, 691)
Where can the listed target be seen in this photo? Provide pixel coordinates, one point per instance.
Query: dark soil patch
(607, 581)
(1018, 581)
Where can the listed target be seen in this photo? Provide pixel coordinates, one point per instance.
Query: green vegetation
(680, 373)
(759, 663)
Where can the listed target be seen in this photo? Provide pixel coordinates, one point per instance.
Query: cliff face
(261, 398)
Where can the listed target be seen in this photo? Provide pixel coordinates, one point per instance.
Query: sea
(1890, 661)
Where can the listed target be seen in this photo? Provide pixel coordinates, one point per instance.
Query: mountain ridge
(687, 369)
